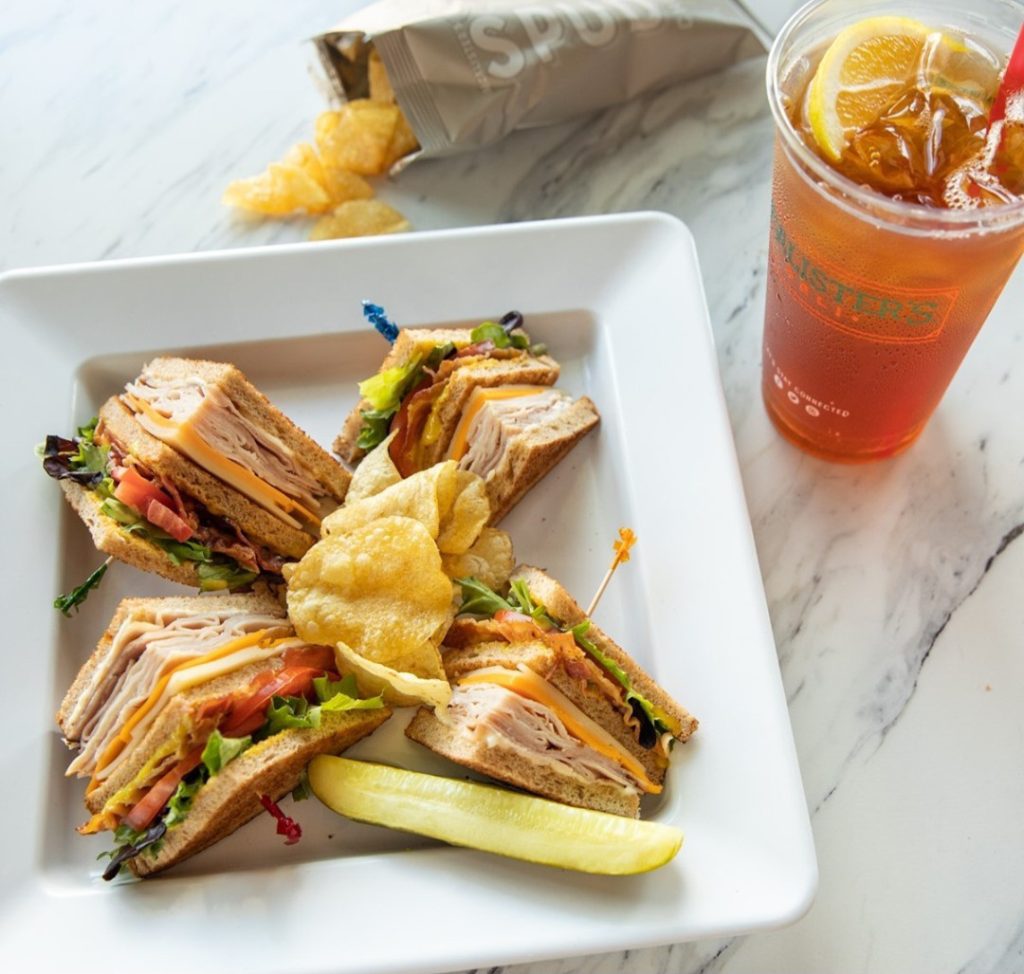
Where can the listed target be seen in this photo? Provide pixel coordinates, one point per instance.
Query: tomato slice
(163, 517)
(291, 681)
(154, 800)
(136, 491)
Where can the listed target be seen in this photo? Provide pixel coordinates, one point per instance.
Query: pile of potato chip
(365, 137)
(379, 585)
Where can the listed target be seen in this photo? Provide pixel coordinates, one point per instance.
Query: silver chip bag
(465, 73)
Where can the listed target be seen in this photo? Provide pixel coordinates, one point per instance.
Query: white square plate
(619, 301)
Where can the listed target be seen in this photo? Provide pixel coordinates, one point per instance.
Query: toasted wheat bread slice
(255, 406)
(272, 767)
(504, 763)
(530, 455)
(110, 538)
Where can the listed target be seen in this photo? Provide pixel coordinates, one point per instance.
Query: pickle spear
(491, 819)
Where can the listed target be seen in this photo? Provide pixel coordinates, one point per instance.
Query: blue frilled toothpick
(376, 316)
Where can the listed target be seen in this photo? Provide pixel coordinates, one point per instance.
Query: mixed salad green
(86, 462)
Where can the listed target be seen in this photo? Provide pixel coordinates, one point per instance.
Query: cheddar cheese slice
(480, 397)
(227, 658)
(531, 685)
(187, 441)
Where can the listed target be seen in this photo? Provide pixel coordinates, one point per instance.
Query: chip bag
(465, 73)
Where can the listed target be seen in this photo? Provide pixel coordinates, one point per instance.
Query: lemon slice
(491, 819)
(864, 70)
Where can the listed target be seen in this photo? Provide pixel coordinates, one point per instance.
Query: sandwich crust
(255, 406)
(564, 608)
(531, 455)
(504, 763)
(273, 767)
(111, 539)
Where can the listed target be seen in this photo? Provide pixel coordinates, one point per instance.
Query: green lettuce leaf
(337, 696)
(180, 803)
(659, 720)
(438, 354)
(519, 596)
(491, 331)
(374, 430)
(302, 790)
(223, 573)
(479, 599)
(91, 455)
(384, 391)
(216, 572)
(286, 712)
(221, 751)
(74, 598)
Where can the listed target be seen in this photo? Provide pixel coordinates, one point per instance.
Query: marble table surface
(895, 589)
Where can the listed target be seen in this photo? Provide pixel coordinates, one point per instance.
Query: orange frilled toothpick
(625, 541)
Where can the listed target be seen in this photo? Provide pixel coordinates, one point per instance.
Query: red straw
(1013, 81)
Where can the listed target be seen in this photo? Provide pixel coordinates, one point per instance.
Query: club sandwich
(193, 474)
(484, 397)
(193, 714)
(543, 700)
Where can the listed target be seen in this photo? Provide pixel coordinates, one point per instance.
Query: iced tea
(897, 217)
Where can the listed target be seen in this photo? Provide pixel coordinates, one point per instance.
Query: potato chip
(359, 218)
(303, 156)
(343, 186)
(379, 588)
(399, 689)
(425, 496)
(380, 83)
(357, 136)
(490, 559)
(323, 133)
(280, 191)
(376, 472)
(462, 522)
